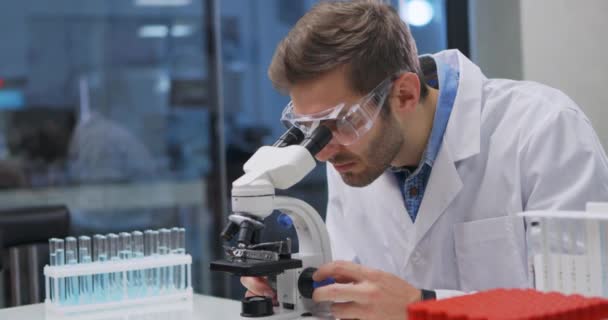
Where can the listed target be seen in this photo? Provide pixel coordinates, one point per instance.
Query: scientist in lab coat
(426, 172)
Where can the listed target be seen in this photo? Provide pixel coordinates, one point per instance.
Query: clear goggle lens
(347, 123)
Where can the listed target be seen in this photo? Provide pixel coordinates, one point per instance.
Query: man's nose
(329, 151)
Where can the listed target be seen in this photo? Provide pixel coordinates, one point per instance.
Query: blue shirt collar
(448, 74)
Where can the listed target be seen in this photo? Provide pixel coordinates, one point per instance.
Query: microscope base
(283, 314)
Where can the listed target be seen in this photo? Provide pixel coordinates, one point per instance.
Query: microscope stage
(255, 268)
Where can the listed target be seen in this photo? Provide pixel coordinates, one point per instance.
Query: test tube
(100, 248)
(138, 252)
(587, 246)
(547, 261)
(84, 256)
(181, 249)
(100, 254)
(138, 244)
(534, 243)
(71, 257)
(125, 251)
(177, 248)
(112, 246)
(115, 283)
(579, 257)
(164, 248)
(151, 238)
(125, 246)
(52, 262)
(181, 241)
(151, 242)
(59, 261)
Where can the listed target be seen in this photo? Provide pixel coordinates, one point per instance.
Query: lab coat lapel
(461, 140)
(443, 186)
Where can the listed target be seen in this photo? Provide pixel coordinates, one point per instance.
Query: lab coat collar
(461, 140)
(462, 135)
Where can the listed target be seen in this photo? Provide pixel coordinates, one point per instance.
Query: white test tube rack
(123, 267)
(585, 274)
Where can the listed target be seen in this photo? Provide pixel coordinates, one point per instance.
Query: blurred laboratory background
(119, 115)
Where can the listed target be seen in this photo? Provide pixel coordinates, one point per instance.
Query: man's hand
(364, 293)
(257, 286)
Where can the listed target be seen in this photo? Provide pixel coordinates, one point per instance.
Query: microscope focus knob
(256, 306)
(306, 285)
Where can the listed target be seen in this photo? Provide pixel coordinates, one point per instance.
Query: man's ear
(405, 94)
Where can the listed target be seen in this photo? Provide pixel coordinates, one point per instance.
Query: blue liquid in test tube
(71, 258)
(59, 261)
(125, 252)
(86, 282)
(166, 279)
(138, 253)
(151, 238)
(52, 262)
(178, 246)
(115, 285)
(100, 255)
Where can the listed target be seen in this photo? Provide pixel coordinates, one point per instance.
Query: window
(112, 108)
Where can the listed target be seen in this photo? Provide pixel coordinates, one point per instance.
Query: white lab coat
(509, 146)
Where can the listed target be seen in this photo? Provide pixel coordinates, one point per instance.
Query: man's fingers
(342, 292)
(257, 286)
(343, 271)
(349, 310)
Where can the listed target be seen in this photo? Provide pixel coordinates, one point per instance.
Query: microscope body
(254, 199)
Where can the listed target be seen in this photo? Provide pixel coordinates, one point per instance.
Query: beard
(382, 148)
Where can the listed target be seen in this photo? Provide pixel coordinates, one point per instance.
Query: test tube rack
(114, 270)
(568, 250)
(122, 268)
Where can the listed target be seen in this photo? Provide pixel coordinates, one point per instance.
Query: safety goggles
(348, 122)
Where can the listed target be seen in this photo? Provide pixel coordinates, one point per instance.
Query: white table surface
(199, 308)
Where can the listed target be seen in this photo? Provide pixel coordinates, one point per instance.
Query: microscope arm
(312, 235)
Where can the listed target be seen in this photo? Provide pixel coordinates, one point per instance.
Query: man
(425, 182)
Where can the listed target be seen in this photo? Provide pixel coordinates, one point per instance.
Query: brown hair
(366, 36)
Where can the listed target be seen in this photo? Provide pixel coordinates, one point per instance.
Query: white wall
(562, 43)
(495, 33)
(565, 45)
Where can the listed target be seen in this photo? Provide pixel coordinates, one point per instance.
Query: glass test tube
(547, 257)
(164, 248)
(52, 262)
(534, 243)
(603, 224)
(71, 257)
(151, 238)
(115, 284)
(100, 254)
(125, 246)
(125, 252)
(181, 249)
(177, 247)
(138, 244)
(84, 256)
(138, 252)
(59, 261)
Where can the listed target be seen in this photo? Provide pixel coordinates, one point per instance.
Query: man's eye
(356, 119)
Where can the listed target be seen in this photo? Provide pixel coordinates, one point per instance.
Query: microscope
(280, 166)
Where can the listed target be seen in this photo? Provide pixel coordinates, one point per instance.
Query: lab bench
(201, 307)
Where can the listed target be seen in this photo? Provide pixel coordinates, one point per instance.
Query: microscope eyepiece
(317, 140)
(291, 136)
